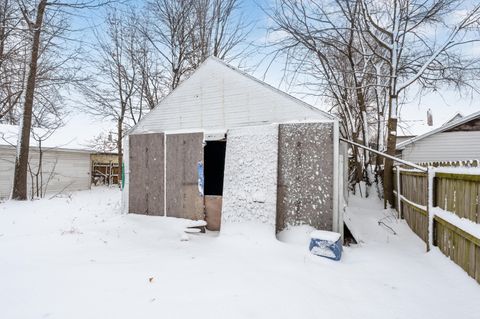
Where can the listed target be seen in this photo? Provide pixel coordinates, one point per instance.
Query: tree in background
(35, 27)
(363, 55)
(45, 24)
(143, 54)
(322, 43)
(184, 33)
(12, 61)
(121, 85)
(413, 55)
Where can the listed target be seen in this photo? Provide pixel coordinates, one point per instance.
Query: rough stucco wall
(305, 175)
(250, 180)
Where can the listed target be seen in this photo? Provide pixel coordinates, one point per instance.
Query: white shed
(221, 128)
(64, 167)
(456, 140)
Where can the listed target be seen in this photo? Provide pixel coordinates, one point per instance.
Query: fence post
(430, 192)
(399, 193)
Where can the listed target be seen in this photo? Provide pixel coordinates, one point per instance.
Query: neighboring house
(458, 139)
(456, 117)
(65, 165)
(403, 138)
(224, 142)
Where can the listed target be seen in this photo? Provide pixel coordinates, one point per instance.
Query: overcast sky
(444, 104)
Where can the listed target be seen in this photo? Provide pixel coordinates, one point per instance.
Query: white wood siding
(446, 146)
(219, 97)
(69, 171)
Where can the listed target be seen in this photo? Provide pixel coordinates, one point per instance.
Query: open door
(214, 155)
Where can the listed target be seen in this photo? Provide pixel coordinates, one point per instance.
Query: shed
(224, 143)
(456, 140)
(65, 166)
(105, 169)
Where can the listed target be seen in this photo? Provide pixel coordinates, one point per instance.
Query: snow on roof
(414, 127)
(454, 118)
(61, 140)
(448, 125)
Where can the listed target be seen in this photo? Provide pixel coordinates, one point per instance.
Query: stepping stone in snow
(195, 229)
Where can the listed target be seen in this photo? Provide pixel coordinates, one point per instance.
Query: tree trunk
(388, 168)
(20, 178)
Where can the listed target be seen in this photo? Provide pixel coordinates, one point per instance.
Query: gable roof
(445, 127)
(219, 96)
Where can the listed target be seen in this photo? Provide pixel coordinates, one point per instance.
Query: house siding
(446, 146)
(71, 170)
(218, 97)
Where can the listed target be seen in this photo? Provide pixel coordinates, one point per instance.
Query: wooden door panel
(184, 151)
(146, 185)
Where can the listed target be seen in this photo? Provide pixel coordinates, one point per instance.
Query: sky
(443, 104)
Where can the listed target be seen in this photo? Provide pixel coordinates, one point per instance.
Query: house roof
(218, 95)
(454, 122)
(57, 140)
(457, 116)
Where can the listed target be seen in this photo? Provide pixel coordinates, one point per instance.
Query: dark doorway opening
(214, 166)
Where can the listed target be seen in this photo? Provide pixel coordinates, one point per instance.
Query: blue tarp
(200, 178)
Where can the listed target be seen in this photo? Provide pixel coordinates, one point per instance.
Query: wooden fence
(456, 193)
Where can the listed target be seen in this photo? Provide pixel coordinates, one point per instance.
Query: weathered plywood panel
(154, 177)
(305, 175)
(146, 176)
(184, 152)
(137, 197)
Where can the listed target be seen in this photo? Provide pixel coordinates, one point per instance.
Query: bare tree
(365, 54)
(221, 31)
(169, 30)
(21, 163)
(36, 167)
(40, 19)
(322, 43)
(412, 55)
(184, 33)
(123, 78)
(12, 60)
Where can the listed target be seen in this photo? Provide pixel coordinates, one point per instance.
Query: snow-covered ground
(79, 257)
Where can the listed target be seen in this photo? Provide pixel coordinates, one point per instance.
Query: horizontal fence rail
(456, 193)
